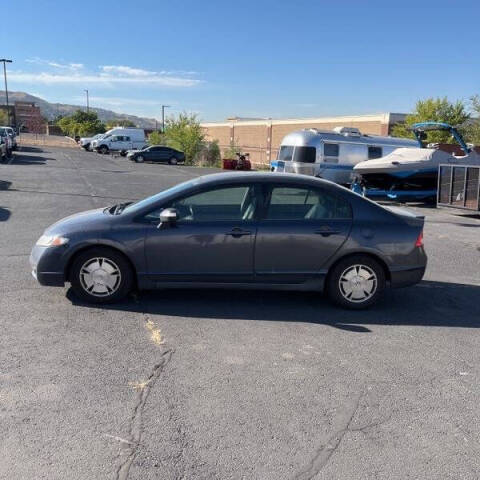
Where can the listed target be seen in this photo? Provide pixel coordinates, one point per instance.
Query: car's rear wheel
(101, 275)
(139, 159)
(356, 282)
(173, 161)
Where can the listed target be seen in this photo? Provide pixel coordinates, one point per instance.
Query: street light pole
(88, 105)
(163, 117)
(4, 60)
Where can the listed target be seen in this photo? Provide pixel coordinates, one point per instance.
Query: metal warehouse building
(262, 137)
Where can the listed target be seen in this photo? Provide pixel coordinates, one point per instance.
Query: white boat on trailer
(411, 173)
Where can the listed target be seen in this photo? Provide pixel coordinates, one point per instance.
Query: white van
(120, 139)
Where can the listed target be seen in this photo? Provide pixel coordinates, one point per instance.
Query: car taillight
(419, 242)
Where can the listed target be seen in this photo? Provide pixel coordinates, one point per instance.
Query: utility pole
(163, 117)
(4, 60)
(88, 105)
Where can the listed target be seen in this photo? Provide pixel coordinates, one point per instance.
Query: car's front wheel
(356, 282)
(139, 159)
(103, 150)
(101, 275)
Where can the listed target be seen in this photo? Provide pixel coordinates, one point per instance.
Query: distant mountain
(52, 110)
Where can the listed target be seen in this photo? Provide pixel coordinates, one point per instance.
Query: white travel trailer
(120, 139)
(332, 154)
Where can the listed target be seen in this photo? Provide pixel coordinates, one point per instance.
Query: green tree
(434, 110)
(232, 150)
(185, 133)
(210, 155)
(156, 138)
(81, 123)
(3, 117)
(213, 154)
(472, 130)
(120, 122)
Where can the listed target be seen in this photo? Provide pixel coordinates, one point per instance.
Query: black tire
(371, 286)
(139, 158)
(172, 161)
(103, 150)
(123, 153)
(110, 257)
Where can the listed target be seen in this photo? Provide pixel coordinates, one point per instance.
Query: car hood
(88, 220)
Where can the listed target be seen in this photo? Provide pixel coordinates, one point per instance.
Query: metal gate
(459, 186)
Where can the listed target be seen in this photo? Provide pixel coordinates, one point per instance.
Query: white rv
(332, 154)
(120, 139)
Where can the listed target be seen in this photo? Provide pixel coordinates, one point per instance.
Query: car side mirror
(168, 218)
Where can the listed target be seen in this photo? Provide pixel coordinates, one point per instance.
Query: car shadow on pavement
(4, 184)
(435, 304)
(29, 160)
(30, 149)
(4, 214)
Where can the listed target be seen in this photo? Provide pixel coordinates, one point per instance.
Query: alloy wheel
(100, 277)
(358, 283)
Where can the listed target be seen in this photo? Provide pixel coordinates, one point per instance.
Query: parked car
(237, 230)
(3, 149)
(7, 141)
(157, 153)
(120, 139)
(85, 142)
(10, 138)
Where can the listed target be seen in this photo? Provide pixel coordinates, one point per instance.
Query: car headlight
(51, 241)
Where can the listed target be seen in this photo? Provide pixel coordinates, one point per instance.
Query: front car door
(212, 241)
(300, 229)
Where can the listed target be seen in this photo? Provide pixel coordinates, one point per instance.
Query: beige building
(262, 137)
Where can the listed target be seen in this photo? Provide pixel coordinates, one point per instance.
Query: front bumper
(48, 265)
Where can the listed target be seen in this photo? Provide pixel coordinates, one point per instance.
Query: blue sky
(259, 58)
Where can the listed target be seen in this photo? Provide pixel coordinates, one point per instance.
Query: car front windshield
(154, 199)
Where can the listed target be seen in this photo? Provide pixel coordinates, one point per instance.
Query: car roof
(271, 177)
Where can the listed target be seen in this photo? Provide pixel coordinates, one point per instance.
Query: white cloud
(128, 71)
(104, 79)
(50, 63)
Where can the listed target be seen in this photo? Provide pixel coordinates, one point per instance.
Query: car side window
(303, 203)
(235, 203)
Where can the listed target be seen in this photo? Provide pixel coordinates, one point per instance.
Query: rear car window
(299, 203)
(305, 154)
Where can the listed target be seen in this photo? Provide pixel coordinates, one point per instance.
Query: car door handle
(326, 232)
(238, 232)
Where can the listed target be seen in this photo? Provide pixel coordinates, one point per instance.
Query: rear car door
(153, 154)
(212, 241)
(158, 154)
(300, 229)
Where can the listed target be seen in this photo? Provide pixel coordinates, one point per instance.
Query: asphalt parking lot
(228, 385)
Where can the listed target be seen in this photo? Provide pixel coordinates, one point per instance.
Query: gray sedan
(237, 230)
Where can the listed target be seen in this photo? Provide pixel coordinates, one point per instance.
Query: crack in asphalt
(131, 444)
(323, 454)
